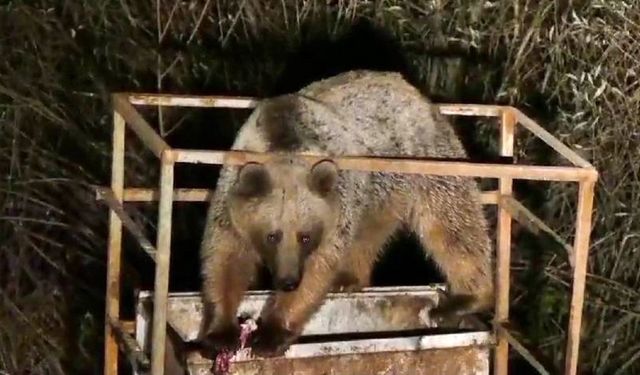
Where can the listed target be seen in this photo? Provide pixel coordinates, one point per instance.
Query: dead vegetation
(575, 68)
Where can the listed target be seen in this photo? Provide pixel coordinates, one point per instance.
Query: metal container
(376, 331)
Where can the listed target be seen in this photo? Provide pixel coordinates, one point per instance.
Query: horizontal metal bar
(524, 352)
(193, 100)
(533, 223)
(139, 125)
(106, 195)
(221, 101)
(481, 110)
(395, 165)
(552, 141)
(202, 195)
(179, 195)
(368, 346)
(369, 292)
(489, 197)
(129, 346)
(444, 341)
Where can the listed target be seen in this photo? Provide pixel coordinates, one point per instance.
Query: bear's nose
(289, 284)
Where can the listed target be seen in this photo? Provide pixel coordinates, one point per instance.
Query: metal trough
(377, 331)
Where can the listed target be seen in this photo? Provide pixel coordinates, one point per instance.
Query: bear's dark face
(285, 211)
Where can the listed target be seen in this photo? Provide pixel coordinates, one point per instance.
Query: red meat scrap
(224, 358)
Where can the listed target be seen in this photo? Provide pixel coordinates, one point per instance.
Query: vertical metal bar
(112, 309)
(501, 354)
(581, 253)
(163, 256)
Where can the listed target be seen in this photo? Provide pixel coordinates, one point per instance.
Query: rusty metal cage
(118, 333)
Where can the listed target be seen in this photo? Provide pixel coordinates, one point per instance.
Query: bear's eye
(274, 237)
(304, 238)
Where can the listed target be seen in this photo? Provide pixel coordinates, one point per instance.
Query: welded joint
(168, 156)
(591, 175)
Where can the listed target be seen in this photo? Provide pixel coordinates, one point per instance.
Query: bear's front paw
(451, 310)
(271, 339)
(223, 338)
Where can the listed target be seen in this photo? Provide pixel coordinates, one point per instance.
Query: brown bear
(316, 227)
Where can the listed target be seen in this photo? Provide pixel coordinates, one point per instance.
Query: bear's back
(376, 113)
(353, 113)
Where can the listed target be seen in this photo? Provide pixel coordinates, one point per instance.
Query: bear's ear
(323, 177)
(253, 181)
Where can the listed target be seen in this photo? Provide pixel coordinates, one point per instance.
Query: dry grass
(575, 69)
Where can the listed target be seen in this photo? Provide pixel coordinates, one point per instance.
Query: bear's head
(285, 210)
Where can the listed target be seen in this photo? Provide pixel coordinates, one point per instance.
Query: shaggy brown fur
(317, 228)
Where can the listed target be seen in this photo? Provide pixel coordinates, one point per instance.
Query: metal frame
(124, 112)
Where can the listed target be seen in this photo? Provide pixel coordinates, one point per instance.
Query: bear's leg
(228, 270)
(450, 223)
(285, 317)
(363, 253)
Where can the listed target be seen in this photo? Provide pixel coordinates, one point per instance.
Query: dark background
(572, 68)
